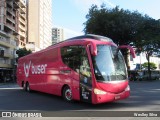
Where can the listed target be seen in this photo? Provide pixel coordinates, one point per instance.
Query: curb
(8, 85)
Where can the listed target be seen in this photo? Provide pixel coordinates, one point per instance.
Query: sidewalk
(9, 85)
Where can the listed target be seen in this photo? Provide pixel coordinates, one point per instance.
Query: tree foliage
(123, 26)
(152, 65)
(120, 25)
(23, 52)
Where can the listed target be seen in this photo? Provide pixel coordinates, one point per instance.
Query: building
(39, 24)
(22, 23)
(13, 19)
(135, 64)
(57, 35)
(12, 34)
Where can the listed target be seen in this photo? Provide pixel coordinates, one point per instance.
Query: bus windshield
(109, 64)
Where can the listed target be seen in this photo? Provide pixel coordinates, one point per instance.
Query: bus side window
(76, 58)
(71, 57)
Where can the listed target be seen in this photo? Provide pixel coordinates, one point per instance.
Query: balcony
(22, 28)
(23, 16)
(15, 33)
(14, 43)
(22, 34)
(10, 19)
(22, 21)
(4, 40)
(7, 43)
(7, 54)
(5, 65)
(16, 5)
(10, 26)
(9, 3)
(22, 10)
(4, 34)
(22, 4)
(10, 11)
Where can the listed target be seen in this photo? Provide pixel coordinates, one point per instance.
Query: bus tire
(28, 87)
(67, 94)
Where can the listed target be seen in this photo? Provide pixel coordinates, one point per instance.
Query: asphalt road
(145, 96)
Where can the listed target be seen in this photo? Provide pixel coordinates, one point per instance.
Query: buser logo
(26, 69)
(35, 69)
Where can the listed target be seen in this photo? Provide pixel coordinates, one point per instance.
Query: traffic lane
(145, 92)
(144, 96)
(17, 99)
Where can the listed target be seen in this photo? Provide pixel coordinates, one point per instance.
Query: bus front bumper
(109, 97)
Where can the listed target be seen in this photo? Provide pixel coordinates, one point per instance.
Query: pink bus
(87, 68)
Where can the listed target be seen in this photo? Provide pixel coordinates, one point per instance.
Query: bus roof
(81, 38)
(92, 36)
(85, 37)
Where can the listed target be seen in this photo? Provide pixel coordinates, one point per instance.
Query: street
(145, 96)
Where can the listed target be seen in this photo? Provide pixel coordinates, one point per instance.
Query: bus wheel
(28, 87)
(67, 94)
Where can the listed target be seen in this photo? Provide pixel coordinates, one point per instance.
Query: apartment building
(39, 24)
(12, 34)
(22, 22)
(57, 35)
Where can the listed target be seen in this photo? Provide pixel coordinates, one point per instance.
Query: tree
(150, 40)
(120, 25)
(23, 52)
(152, 65)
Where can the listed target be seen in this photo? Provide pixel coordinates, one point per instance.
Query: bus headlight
(97, 91)
(127, 88)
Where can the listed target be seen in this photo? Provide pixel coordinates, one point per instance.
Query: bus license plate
(117, 97)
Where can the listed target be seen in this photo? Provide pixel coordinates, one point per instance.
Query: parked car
(144, 75)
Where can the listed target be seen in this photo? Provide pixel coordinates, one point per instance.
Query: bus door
(76, 58)
(85, 77)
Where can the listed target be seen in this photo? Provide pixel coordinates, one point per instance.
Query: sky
(70, 14)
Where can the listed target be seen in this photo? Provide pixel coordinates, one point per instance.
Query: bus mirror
(93, 49)
(130, 48)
